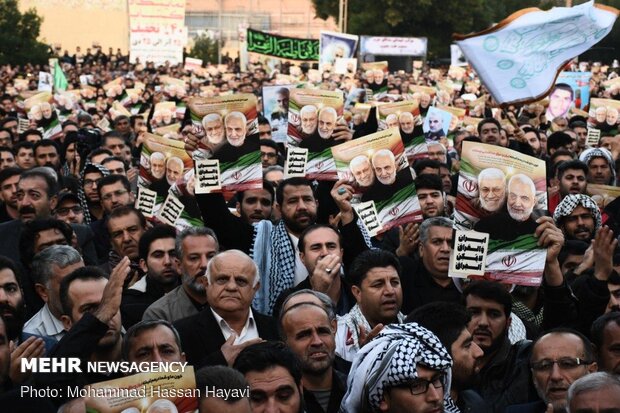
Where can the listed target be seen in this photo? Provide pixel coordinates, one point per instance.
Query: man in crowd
(429, 190)
(195, 247)
(8, 194)
(579, 217)
(571, 178)
(49, 268)
(68, 208)
(224, 380)
(274, 376)
(159, 263)
(376, 286)
(231, 281)
(605, 335)
(601, 166)
(309, 332)
(449, 323)
(152, 341)
(404, 369)
(254, 205)
(596, 392)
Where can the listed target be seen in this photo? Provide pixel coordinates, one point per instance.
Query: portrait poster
(355, 96)
(275, 109)
(580, 83)
(344, 66)
(405, 116)
(603, 114)
(145, 392)
(165, 165)
(603, 195)
(377, 167)
(312, 117)
(429, 90)
(334, 46)
(227, 127)
(376, 74)
(501, 193)
(436, 124)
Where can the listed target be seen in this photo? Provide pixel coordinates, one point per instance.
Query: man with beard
(605, 335)
(449, 323)
(406, 123)
(571, 179)
(235, 126)
(174, 169)
(322, 138)
(429, 189)
(309, 119)
(214, 128)
(254, 205)
(194, 247)
(158, 260)
(361, 169)
(491, 190)
(237, 143)
(578, 216)
(488, 131)
(391, 121)
(8, 190)
(388, 179)
(521, 202)
(218, 333)
(88, 193)
(46, 154)
(601, 166)
(376, 286)
(504, 377)
(274, 246)
(158, 165)
(435, 127)
(308, 331)
(125, 226)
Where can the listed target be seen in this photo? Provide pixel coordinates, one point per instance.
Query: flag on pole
(60, 81)
(519, 58)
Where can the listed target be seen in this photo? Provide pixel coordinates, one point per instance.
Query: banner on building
(282, 47)
(393, 46)
(157, 31)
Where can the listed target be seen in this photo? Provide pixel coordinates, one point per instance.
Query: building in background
(71, 23)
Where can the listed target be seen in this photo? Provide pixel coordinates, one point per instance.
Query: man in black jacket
(218, 333)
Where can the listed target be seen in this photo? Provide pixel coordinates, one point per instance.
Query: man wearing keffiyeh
(601, 166)
(404, 369)
(578, 217)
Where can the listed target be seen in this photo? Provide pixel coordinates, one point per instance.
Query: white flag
(519, 58)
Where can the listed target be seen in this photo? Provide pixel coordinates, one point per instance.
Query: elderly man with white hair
(214, 128)
(389, 179)
(158, 165)
(217, 334)
(361, 169)
(309, 119)
(519, 218)
(491, 189)
(236, 127)
(391, 121)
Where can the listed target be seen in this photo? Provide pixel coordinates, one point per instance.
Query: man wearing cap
(68, 208)
(404, 369)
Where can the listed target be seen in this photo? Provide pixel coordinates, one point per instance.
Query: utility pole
(342, 16)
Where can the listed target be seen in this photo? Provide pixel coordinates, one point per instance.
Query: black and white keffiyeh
(572, 201)
(89, 167)
(589, 154)
(390, 360)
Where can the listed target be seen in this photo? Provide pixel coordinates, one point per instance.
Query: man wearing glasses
(268, 153)
(558, 359)
(387, 379)
(69, 209)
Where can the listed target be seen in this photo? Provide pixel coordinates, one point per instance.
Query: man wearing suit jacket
(218, 333)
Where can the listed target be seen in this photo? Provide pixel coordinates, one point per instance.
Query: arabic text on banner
(282, 47)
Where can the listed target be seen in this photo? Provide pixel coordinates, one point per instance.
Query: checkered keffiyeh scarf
(390, 360)
(587, 155)
(570, 202)
(89, 167)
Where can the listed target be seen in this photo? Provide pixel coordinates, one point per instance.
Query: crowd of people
(282, 290)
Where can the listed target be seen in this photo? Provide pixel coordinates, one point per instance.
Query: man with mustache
(158, 260)
(297, 204)
(518, 219)
(8, 189)
(361, 169)
(389, 179)
(322, 138)
(217, 334)
(571, 179)
(36, 197)
(578, 216)
(309, 119)
(214, 128)
(254, 205)
(309, 332)
(194, 248)
(605, 335)
(376, 286)
(491, 190)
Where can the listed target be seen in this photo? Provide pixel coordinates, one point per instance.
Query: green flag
(60, 81)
